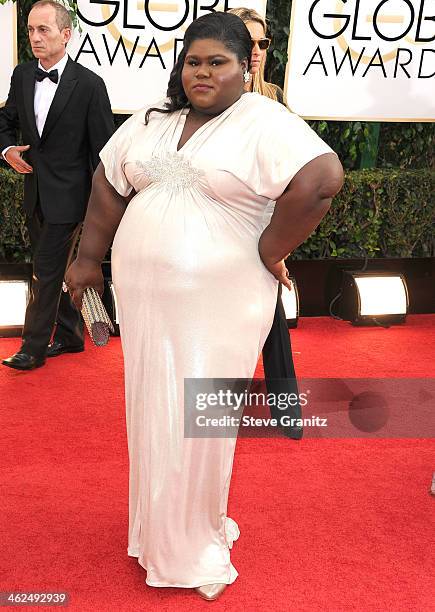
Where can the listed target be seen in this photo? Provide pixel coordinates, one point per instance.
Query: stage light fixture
(374, 298)
(290, 300)
(14, 295)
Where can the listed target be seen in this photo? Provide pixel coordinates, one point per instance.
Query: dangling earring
(246, 76)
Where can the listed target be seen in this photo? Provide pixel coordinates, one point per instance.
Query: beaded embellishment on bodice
(173, 170)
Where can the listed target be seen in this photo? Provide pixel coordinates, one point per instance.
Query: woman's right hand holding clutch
(81, 274)
(105, 210)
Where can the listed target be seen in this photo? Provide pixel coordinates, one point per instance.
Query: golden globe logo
(358, 37)
(138, 30)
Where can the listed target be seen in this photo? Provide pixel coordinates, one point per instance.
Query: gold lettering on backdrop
(394, 19)
(386, 19)
(366, 59)
(158, 6)
(140, 50)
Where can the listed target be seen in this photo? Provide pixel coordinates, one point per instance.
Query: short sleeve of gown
(114, 153)
(287, 145)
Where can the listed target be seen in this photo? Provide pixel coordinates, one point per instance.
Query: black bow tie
(53, 75)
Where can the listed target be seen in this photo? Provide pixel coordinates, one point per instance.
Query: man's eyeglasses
(263, 43)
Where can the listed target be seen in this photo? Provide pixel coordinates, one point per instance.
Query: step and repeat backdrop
(362, 59)
(348, 59)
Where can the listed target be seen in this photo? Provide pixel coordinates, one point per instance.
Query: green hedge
(14, 241)
(378, 213)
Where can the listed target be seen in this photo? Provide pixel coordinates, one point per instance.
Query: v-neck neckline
(181, 121)
(181, 124)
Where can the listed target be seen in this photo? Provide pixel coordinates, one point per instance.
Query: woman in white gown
(196, 286)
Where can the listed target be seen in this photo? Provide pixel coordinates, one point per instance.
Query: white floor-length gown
(194, 301)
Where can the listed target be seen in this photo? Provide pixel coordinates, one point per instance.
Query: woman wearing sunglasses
(278, 365)
(260, 44)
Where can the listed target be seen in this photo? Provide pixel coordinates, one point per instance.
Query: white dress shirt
(44, 93)
(43, 96)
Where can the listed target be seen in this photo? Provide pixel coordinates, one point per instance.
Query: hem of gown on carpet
(232, 533)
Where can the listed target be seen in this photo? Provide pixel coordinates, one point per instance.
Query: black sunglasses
(263, 43)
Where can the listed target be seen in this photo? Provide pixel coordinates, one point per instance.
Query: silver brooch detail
(173, 170)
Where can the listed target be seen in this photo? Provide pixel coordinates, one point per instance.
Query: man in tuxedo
(63, 112)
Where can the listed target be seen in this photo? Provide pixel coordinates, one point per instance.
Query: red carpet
(325, 524)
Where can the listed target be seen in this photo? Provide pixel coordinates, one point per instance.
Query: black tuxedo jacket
(78, 125)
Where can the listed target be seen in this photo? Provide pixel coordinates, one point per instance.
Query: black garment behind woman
(279, 371)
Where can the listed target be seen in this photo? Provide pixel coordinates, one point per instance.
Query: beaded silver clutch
(96, 318)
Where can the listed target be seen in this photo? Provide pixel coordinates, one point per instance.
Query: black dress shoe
(23, 361)
(58, 348)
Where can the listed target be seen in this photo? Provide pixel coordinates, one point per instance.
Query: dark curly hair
(228, 29)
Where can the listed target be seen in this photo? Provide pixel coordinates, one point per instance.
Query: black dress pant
(52, 247)
(279, 371)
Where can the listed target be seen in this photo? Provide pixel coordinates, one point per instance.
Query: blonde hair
(258, 83)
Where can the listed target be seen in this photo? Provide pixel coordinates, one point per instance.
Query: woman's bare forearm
(296, 216)
(301, 208)
(105, 210)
